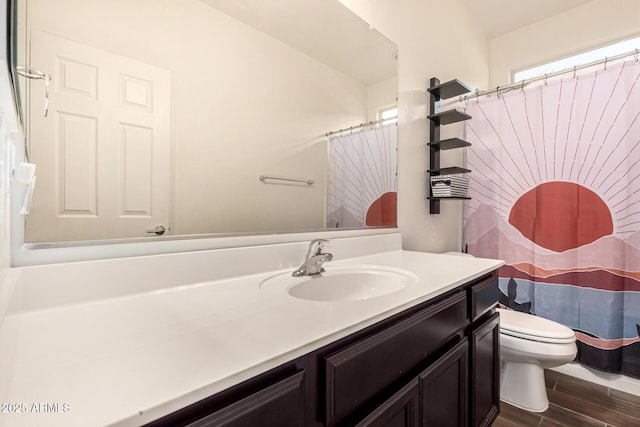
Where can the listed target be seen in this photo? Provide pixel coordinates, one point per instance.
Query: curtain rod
(522, 83)
(361, 125)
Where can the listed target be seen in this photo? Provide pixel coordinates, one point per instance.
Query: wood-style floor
(573, 402)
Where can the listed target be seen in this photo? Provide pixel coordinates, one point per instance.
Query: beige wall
(592, 25)
(6, 128)
(9, 130)
(219, 67)
(380, 96)
(9, 135)
(435, 38)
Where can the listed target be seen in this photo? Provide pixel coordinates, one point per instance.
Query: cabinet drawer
(280, 404)
(365, 368)
(483, 297)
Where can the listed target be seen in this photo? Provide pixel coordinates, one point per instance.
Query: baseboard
(615, 381)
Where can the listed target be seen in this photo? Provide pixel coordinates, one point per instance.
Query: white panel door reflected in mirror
(103, 153)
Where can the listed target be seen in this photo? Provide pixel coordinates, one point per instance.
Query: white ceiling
(324, 30)
(498, 17)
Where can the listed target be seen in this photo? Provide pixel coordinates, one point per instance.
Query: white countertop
(132, 359)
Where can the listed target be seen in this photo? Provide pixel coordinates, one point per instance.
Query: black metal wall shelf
(449, 89)
(448, 198)
(448, 171)
(451, 143)
(438, 91)
(448, 117)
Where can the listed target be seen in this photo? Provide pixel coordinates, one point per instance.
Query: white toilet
(529, 345)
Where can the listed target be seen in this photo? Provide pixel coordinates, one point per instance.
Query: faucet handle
(316, 246)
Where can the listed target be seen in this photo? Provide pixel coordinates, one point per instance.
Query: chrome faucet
(313, 261)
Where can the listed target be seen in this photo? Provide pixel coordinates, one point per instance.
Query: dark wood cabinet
(435, 364)
(444, 389)
(485, 372)
(401, 410)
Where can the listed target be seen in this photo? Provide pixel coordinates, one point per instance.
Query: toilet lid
(534, 328)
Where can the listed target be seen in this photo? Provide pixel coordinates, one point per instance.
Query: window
(389, 115)
(580, 59)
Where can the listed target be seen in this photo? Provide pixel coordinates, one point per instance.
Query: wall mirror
(205, 117)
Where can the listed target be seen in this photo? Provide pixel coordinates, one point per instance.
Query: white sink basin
(343, 283)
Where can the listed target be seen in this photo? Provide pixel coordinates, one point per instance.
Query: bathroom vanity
(218, 338)
(435, 364)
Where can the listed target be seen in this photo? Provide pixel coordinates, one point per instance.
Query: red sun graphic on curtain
(561, 216)
(382, 211)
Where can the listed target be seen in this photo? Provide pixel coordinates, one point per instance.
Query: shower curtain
(555, 189)
(362, 183)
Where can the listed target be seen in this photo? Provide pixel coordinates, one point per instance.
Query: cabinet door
(444, 389)
(485, 372)
(401, 410)
(281, 404)
(361, 371)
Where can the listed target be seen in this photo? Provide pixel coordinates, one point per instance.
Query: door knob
(158, 230)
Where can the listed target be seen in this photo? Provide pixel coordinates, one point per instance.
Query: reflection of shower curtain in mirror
(362, 178)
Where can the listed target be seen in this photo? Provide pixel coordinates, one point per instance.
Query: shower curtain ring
(522, 88)
(478, 95)
(605, 63)
(574, 71)
(636, 55)
(545, 79)
(498, 91)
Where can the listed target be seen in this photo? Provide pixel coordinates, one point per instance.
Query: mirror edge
(28, 254)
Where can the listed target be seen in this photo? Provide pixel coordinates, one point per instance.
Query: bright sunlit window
(583, 58)
(388, 116)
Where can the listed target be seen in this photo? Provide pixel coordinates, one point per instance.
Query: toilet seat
(533, 328)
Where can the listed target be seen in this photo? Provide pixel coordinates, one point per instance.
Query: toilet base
(522, 385)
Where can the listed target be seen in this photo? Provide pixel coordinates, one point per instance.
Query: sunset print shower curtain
(555, 189)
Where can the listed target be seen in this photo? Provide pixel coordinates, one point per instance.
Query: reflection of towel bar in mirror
(264, 179)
